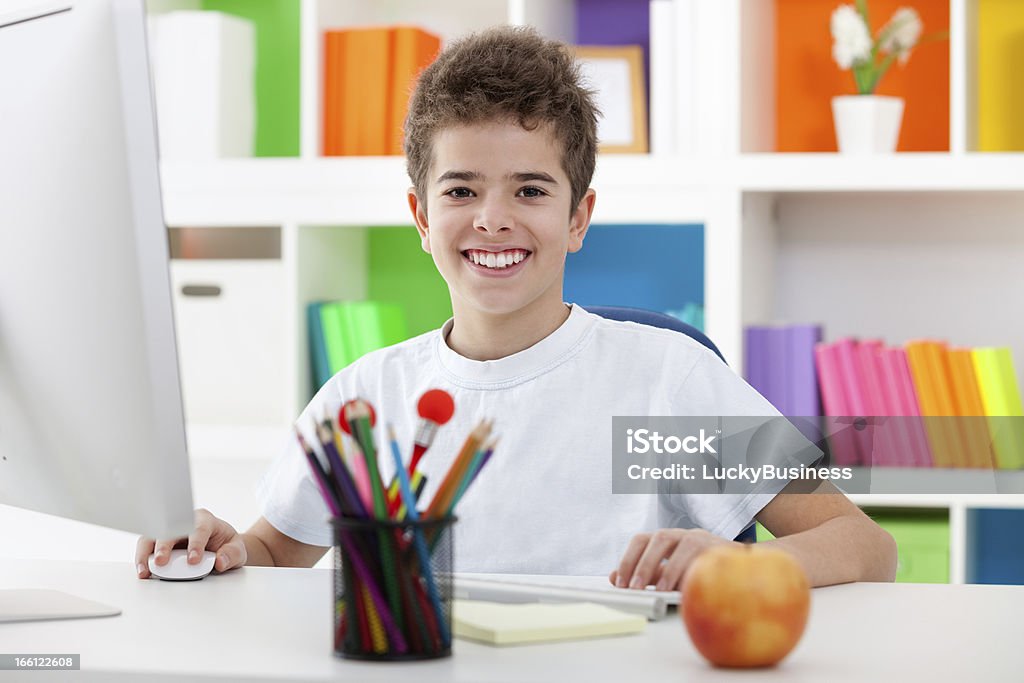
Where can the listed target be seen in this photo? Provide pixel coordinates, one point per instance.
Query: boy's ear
(580, 221)
(419, 215)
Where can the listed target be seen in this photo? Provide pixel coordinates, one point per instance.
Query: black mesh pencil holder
(392, 589)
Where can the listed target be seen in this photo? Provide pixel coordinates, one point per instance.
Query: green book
(320, 365)
(351, 329)
(336, 337)
(376, 325)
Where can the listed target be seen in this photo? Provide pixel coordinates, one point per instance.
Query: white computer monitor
(91, 423)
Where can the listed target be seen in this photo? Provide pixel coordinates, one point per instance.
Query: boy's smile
(501, 264)
(498, 225)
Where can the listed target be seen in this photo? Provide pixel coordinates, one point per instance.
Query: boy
(500, 145)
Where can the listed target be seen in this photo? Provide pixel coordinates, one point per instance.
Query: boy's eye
(459, 193)
(532, 192)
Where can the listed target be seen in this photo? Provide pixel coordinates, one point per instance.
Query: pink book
(890, 445)
(849, 372)
(833, 399)
(856, 397)
(896, 366)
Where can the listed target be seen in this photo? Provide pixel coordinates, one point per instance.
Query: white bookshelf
(897, 247)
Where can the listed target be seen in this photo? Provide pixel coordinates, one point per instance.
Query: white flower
(852, 39)
(901, 33)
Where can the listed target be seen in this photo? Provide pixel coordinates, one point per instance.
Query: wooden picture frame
(617, 74)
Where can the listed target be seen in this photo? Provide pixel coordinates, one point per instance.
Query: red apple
(745, 605)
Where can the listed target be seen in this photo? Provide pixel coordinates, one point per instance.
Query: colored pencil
(419, 543)
(479, 459)
(441, 503)
(357, 413)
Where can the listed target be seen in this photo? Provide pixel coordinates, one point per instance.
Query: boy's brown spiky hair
(505, 73)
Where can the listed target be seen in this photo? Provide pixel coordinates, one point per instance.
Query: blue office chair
(667, 322)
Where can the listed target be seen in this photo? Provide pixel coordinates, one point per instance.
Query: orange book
(334, 42)
(967, 403)
(931, 384)
(365, 87)
(414, 49)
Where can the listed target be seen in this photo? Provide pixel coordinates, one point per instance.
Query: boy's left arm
(831, 538)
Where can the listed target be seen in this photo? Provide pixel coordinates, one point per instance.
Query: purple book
(802, 397)
(776, 359)
(755, 349)
(616, 22)
(765, 362)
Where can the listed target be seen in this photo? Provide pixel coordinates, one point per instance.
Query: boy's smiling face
(497, 218)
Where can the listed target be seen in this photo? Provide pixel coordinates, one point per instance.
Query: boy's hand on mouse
(210, 533)
(661, 558)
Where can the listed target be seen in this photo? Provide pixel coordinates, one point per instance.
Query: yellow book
(516, 624)
(1000, 396)
(1000, 60)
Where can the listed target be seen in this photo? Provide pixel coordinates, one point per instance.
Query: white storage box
(231, 329)
(203, 76)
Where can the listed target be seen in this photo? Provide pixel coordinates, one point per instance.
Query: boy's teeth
(497, 261)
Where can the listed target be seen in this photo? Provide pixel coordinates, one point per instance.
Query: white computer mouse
(178, 568)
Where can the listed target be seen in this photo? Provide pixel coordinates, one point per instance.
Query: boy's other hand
(210, 533)
(661, 558)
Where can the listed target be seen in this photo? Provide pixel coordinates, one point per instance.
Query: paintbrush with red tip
(435, 407)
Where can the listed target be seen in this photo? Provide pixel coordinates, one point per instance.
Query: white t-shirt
(544, 502)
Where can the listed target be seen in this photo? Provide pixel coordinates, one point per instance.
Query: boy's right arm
(262, 545)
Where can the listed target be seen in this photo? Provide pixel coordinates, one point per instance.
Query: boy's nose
(494, 217)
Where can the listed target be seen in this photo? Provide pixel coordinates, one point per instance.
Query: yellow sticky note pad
(504, 624)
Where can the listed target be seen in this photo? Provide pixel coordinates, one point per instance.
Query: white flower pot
(867, 124)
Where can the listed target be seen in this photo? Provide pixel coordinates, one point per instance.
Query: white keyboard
(517, 588)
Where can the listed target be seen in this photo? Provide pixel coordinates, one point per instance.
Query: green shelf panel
(922, 539)
(401, 272)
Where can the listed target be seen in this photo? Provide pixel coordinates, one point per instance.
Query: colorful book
(320, 364)
(351, 329)
(334, 45)
(368, 77)
(969, 409)
(889, 443)
(839, 427)
(337, 340)
(777, 371)
(937, 355)
(374, 325)
(856, 401)
(755, 359)
(1000, 397)
(905, 404)
(802, 397)
(365, 89)
(934, 404)
(413, 50)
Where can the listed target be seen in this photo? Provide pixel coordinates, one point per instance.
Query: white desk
(275, 624)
